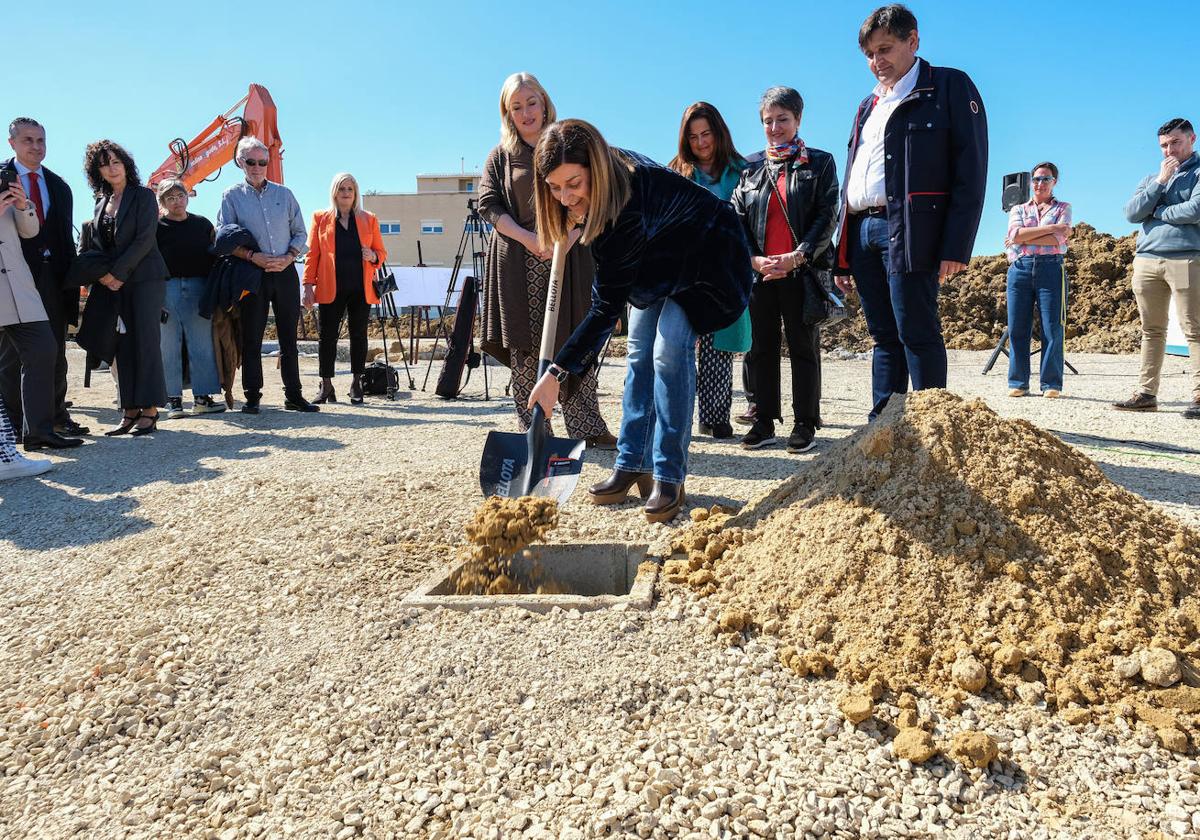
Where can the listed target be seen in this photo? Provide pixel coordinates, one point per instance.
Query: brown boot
(615, 489)
(666, 501)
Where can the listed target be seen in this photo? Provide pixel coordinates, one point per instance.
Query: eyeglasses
(1042, 179)
(252, 162)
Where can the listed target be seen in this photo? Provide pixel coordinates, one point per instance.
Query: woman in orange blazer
(344, 250)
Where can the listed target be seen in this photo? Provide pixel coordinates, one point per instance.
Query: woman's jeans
(660, 393)
(1044, 279)
(184, 295)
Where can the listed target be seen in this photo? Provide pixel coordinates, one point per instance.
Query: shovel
(535, 464)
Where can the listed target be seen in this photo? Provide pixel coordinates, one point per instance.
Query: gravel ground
(202, 637)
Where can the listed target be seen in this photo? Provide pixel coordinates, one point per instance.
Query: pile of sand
(945, 549)
(1102, 314)
(501, 529)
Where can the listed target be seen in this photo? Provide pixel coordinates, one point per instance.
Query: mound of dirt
(946, 549)
(1102, 314)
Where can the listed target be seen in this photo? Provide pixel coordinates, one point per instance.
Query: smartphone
(8, 176)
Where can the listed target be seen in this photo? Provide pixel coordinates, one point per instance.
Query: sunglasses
(252, 162)
(1042, 179)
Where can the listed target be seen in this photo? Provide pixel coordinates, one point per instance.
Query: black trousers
(279, 292)
(351, 303)
(771, 302)
(27, 357)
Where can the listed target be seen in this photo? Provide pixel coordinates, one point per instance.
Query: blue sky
(387, 90)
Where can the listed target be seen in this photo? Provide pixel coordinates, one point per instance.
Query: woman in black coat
(788, 204)
(674, 251)
(125, 227)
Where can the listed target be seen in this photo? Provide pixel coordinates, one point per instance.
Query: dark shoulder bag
(822, 305)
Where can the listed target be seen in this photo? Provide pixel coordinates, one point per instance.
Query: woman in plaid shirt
(1038, 231)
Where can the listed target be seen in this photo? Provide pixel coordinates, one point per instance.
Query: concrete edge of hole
(640, 596)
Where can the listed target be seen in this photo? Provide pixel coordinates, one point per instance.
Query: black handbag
(379, 378)
(822, 304)
(384, 281)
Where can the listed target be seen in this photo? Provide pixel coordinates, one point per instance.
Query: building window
(431, 226)
(473, 227)
(466, 186)
(387, 228)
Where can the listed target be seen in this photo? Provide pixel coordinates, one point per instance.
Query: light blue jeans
(660, 393)
(184, 295)
(1040, 278)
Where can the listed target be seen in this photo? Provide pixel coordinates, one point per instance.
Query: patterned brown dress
(514, 294)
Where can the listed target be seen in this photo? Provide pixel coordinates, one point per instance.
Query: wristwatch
(558, 373)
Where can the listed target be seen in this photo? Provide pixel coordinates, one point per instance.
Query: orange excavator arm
(198, 160)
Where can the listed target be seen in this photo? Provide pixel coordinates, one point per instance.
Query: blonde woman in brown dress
(517, 267)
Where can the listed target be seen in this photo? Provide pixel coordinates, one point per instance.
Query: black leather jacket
(812, 201)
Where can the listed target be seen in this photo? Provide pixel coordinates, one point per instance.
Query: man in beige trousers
(1167, 262)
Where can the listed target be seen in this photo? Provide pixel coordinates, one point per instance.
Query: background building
(434, 215)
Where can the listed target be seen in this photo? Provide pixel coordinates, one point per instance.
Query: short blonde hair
(510, 138)
(337, 182)
(579, 142)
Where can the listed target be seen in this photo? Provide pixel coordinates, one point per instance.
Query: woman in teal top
(707, 156)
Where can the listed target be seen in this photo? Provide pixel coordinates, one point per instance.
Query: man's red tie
(35, 195)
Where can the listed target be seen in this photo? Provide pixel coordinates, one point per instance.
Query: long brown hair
(578, 142)
(724, 153)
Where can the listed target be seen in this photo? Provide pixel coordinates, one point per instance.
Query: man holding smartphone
(25, 335)
(48, 255)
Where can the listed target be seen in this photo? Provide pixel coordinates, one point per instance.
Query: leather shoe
(666, 501)
(50, 441)
(298, 403)
(717, 431)
(747, 417)
(605, 442)
(1192, 412)
(614, 489)
(69, 428)
(250, 407)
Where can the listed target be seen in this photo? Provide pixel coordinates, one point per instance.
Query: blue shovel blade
(502, 469)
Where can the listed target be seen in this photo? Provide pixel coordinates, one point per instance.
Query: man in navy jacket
(911, 201)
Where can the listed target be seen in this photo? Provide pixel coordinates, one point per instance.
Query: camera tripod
(1001, 348)
(388, 311)
(474, 241)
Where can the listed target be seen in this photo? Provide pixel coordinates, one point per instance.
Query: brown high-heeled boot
(666, 501)
(615, 489)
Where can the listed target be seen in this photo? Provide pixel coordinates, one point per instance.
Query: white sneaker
(23, 467)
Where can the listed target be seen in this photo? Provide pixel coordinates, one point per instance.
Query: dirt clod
(969, 674)
(1160, 667)
(856, 707)
(973, 749)
(915, 745)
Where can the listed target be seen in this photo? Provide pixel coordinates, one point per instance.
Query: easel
(473, 226)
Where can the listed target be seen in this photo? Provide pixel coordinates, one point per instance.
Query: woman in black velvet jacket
(674, 251)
